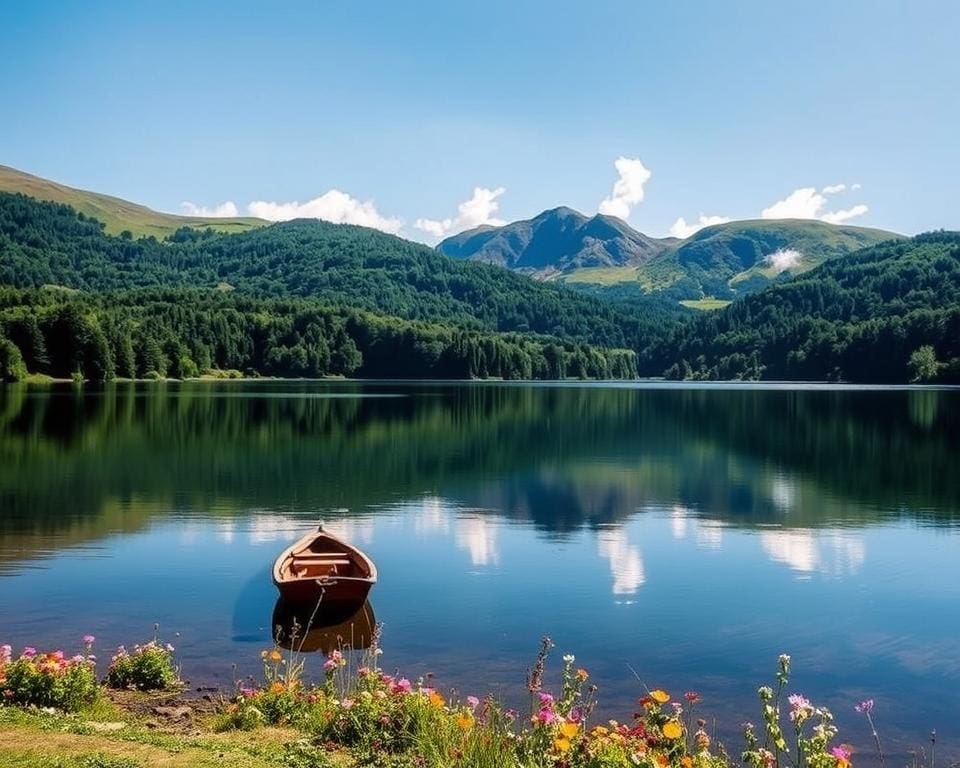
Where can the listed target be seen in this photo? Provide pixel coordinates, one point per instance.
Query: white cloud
(834, 189)
(784, 258)
(807, 203)
(838, 217)
(333, 206)
(223, 211)
(855, 187)
(628, 189)
(683, 230)
(480, 209)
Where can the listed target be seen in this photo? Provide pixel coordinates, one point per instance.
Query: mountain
(116, 215)
(559, 240)
(888, 313)
(604, 255)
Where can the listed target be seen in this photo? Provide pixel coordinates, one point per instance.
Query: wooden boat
(323, 567)
(300, 627)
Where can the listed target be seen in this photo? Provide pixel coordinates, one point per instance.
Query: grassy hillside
(889, 313)
(730, 260)
(117, 215)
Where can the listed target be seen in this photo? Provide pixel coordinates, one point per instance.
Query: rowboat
(300, 627)
(323, 567)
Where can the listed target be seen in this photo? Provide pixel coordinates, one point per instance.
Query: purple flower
(576, 715)
(29, 652)
(546, 699)
(546, 716)
(247, 693)
(89, 639)
(865, 707)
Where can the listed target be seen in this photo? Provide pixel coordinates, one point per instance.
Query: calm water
(689, 533)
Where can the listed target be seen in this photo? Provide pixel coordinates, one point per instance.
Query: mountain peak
(556, 240)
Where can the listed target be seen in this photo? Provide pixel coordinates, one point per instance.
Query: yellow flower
(661, 697)
(436, 699)
(277, 688)
(672, 729)
(465, 721)
(562, 744)
(569, 729)
(275, 655)
(686, 761)
(582, 675)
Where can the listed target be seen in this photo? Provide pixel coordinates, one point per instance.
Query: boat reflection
(308, 628)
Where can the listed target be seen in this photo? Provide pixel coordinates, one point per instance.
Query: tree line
(178, 333)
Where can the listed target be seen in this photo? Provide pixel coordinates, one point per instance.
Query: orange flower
(582, 675)
(562, 744)
(686, 761)
(465, 721)
(277, 688)
(275, 655)
(569, 729)
(659, 696)
(672, 729)
(436, 699)
(663, 760)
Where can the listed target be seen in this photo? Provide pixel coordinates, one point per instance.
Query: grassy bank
(57, 714)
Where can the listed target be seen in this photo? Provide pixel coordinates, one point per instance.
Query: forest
(308, 298)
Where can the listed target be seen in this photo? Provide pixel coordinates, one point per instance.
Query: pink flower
(841, 753)
(89, 639)
(402, 686)
(865, 707)
(546, 716)
(347, 703)
(363, 671)
(473, 702)
(29, 652)
(546, 700)
(247, 693)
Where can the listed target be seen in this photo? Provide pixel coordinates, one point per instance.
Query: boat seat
(318, 555)
(317, 561)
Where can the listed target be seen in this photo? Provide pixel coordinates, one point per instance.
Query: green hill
(117, 215)
(888, 313)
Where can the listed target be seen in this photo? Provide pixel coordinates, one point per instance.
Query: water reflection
(624, 560)
(310, 628)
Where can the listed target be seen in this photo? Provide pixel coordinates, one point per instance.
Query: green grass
(602, 275)
(118, 215)
(706, 304)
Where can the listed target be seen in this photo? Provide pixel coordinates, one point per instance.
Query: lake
(684, 535)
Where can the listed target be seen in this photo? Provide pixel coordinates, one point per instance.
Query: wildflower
(546, 716)
(275, 655)
(582, 674)
(800, 708)
(562, 744)
(169, 648)
(464, 721)
(436, 699)
(865, 707)
(692, 696)
(660, 696)
(672, 730)
(89, 639)
(546, 700)
(29, 652)
(686, 761)
(842, 755)
(569, 658)
(569, 729)
(402, 686)
(473, 702)
(576, 715)
(347, 703)
(277, 688)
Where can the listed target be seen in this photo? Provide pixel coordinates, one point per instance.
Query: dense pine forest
(307, 299)
(889, 313)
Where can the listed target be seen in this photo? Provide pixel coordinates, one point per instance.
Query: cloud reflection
(478, 535)
(804, 551)
(626, 563)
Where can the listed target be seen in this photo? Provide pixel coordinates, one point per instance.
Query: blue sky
(389, 113)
